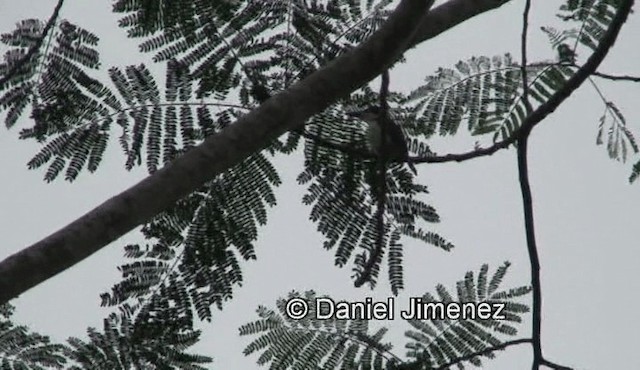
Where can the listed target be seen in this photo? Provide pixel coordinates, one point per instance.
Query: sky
(585, 211)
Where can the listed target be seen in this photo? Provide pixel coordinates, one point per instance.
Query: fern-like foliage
(22, 349)
(216, 50)
(592, 18)
(66, 103)
(235, 55)
(310, 343)
(247, 48)
(484, 94)
(145, 18)
(149, 124)
(437, 342)
(137, 344)
(619, 138)
(156, 126)
(200, 241)
(194, 240)
(250, 49)
(222, 40)
(465, 94)
(193, 249)
(68, 51)
(635, 172)
(341, 196)
(163, 128)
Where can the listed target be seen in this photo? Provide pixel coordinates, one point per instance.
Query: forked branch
(581, 75)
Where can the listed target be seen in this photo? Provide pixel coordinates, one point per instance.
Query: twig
(523, 63)
(616, 77)
(555, 366)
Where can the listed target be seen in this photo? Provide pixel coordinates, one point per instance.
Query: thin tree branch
(251, 133)
(532, 248)
(20, 63)
(483, 352)
(523, 63)
(587, 69)
(555, 366)
(616, 77)
(527, 202)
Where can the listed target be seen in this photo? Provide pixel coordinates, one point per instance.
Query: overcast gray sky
(585, 212)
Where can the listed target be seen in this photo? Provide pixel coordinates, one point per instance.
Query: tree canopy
(245, 83)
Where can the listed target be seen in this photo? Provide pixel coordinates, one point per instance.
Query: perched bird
(395, 143)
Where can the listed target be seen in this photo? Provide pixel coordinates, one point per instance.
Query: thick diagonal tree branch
(251, 133)
(450, 14)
